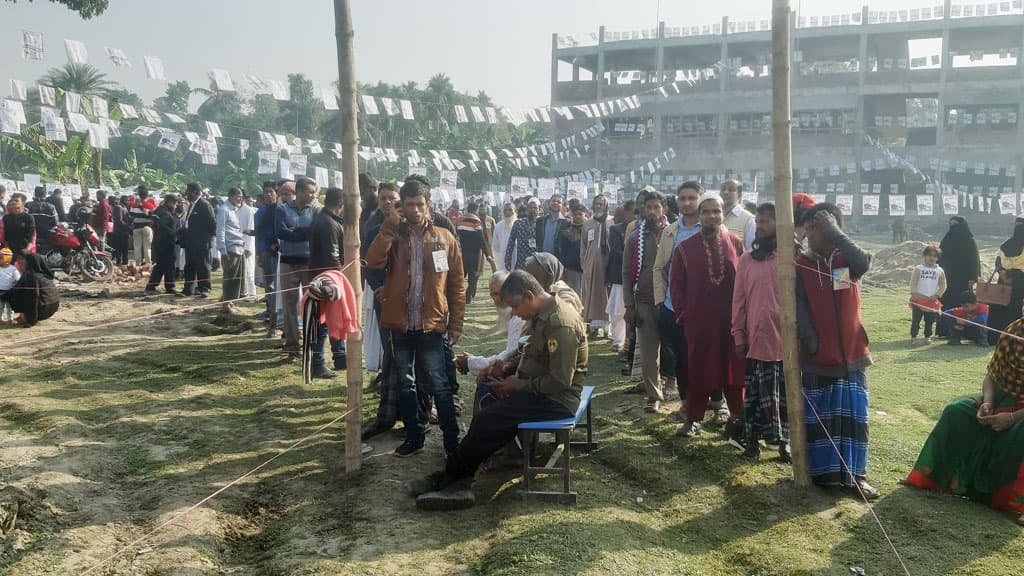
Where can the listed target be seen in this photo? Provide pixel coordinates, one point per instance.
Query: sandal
(868, 491)
(722, 416)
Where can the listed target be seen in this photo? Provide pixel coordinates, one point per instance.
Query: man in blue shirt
(688, 224)
(550, 227)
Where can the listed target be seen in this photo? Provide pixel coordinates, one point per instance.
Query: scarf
(638, 250)
(762, 248)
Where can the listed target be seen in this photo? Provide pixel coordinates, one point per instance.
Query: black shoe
(150, 292)
(172, 292)
(202, 294)
(784, 454)
(323, 373)
(341, 364)
(451, 498)
(753, 452)
(409, 448)
(429, 483)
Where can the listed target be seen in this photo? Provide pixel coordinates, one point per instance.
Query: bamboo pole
(350, 180)
(782, 140)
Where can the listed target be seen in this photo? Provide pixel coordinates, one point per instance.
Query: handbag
(994, 293)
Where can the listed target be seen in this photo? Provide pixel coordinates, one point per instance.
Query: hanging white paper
(268, 162)
(222, 80)
(169, 140)
(144, 131)
(118, 57)
(330, 98)
(128, 111)
(390, 107)
(8, 123)
(478, 115)
(19, 90)
(1008, 204)
(47, 95)
(406, 109)
(154, 68)
(925, 205)
(284, 168)
(77, 54)
(56, 131)
(370, 105)
(243, 146)
(16, 109)
(950, 204)
(98, 136)
(99, 107)
(174, 118)
(460, 114)
(212, 130)
(869, 205)
(280, 90)
(320, 175)
(112, 127)
(897, 205)
(298, 164)
(151, 116)
(32, 45)
(72, 102)
(449, 178)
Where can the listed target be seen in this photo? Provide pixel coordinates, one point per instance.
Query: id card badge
(440, 260)
(841, 279)
(590, 235)
(532, 242)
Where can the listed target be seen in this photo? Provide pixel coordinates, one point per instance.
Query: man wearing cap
(523, 239)
(164, 248)
(734, 217)
(701, 286)
(801, 204)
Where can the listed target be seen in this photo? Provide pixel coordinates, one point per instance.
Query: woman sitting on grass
(977, 446)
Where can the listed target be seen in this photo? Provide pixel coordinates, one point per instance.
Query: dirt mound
(894, 265)
(226, 323)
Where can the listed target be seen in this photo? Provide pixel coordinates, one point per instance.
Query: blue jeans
(425, 349)
(337, 351)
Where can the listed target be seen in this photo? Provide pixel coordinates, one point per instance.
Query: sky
(502, 48)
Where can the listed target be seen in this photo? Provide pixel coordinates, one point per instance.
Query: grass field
(104, 435)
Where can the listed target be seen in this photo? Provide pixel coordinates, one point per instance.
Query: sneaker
(690, 429)
(324, 373)
(928, 341)
(409, 448)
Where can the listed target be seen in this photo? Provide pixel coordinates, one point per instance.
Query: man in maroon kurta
(703, 274)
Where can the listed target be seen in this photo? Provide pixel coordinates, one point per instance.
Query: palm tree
(81, 78)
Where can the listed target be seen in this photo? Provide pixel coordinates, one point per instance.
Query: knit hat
(802, 201)
(710, 196)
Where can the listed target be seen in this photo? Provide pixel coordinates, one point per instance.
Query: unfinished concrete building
(907, 102)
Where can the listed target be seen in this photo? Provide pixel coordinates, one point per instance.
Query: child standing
(927, 285)
(9, 276)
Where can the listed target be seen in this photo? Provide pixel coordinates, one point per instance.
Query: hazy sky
(503, 48)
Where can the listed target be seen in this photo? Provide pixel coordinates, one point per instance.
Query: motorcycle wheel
(99, 267)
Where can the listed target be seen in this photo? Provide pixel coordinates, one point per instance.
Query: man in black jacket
(45, 217)
(550, 228)
(198, 233)
(57, 201)
(327, 252)
(18, 225)
(164, 246)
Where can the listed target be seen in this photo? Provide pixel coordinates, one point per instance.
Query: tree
(175, 98)
(81, 78)
(219, 105)
(85, 8)
(304, 113)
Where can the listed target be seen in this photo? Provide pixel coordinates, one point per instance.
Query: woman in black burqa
(35, 296)
(960, 260)
(1010, 267)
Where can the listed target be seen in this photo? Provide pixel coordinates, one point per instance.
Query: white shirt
(733, 221)
(479, 364)
(247, 220)
(928, 279)
(9, 276)
(499, 242)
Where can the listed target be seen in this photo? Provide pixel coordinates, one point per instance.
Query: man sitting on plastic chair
(546, 386)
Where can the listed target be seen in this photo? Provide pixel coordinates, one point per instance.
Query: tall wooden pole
(350, 180)
(782, 141)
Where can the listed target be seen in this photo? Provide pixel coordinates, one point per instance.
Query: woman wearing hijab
(959, 259)
(1010, 267)
(549, 271)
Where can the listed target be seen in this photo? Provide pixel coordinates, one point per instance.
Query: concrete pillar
(600, 95)
(554, 66)
(723, 86)
(659, 71)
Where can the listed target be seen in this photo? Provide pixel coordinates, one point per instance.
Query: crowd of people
(683, 286)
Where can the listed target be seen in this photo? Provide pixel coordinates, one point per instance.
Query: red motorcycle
(78, 250)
